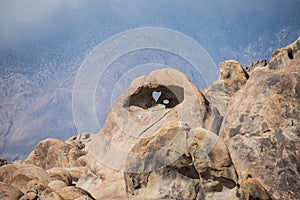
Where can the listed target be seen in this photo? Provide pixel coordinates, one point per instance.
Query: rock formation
(255, 64)
(262, 125)
(163, 138)
(232, 78)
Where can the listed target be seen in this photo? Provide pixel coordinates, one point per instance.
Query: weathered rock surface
(21, 176)
(283, 57)
(101, 181)
(232, 78)
(71, 192)
(164, 139)
(262, 127)
(204, 171)
(49, 172)
(8, 192)
(178, 99)
(51, 153)
(258, 63)
(138, 114)
(60, 174)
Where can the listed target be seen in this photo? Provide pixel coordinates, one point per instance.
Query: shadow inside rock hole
(149, 95)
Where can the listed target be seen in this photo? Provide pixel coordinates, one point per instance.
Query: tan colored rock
(74, 154)
(233, 75)
(8, 192)
(21, 175)
(72, 192)
(137, 114)
(81, 162)
(42, 190)
(282, 57)
(204, 171)
(30, 179)
(58, 190)
(160, 141)
(52, 153)
(57, 184)
(29, 196)
(96, 175)
(261, 63)
(50, 196)
(81, 198)
(88, 180)
(88, 173)
(184, 103)
(261, 127)
(232, 78)
(76, 173)
(250, 188)
(129, 119)
(212, 160)
(60, 174)
(76, 141)
(165, 183)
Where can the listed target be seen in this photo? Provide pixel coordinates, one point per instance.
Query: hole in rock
(149, 95)
(166, 101)
(290, 54)
(156, 95)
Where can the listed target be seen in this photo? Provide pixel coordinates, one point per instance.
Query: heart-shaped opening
(147, 96)
(156, 95)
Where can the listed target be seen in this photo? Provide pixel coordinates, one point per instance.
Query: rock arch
(170, 96)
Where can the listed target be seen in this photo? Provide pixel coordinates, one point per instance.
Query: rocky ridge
(236, 139)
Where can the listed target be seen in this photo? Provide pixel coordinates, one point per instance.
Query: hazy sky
(40, 31)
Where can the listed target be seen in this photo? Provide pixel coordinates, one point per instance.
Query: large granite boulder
(25, 181)
(151, 101)
(21, 176)
(8, 192)
(152, 131)
(204, 171)
(232, 77)
(51, 153)
(262, 128)
(283, 57)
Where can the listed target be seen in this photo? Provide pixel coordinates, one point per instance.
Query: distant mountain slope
(32, 109)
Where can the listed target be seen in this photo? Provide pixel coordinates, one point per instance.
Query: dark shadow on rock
(143, 97)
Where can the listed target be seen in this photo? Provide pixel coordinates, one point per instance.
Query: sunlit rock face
(150, 102)
(159, 122)
(205, 170)
(262, 125)
(164, 91)
(232, 77)
(151, 127)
